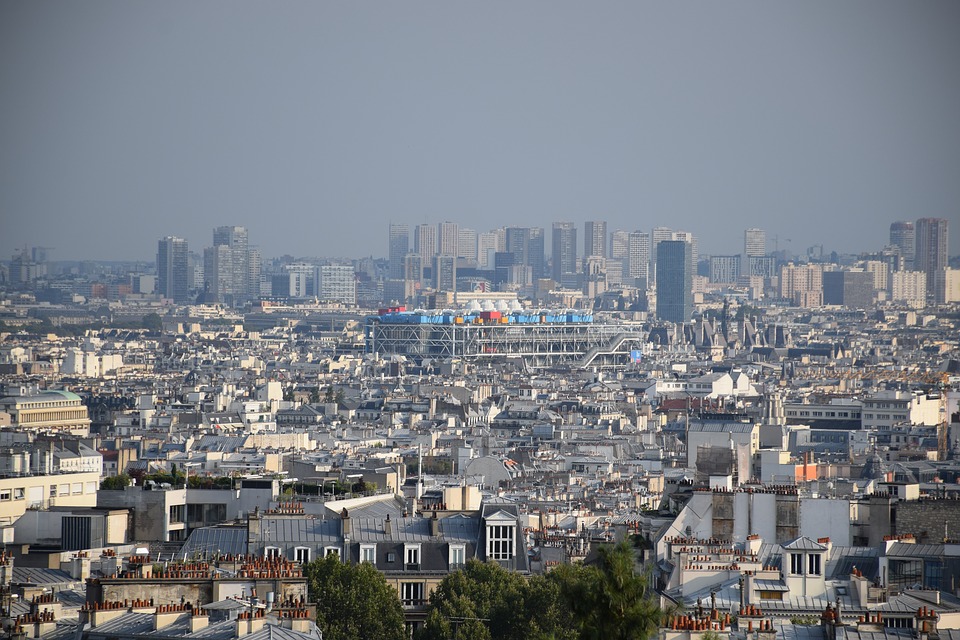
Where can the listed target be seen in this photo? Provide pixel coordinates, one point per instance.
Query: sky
(317, 123)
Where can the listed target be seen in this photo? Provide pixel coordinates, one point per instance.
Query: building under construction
(540, 338)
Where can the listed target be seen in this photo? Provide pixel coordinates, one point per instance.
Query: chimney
(199, 620)
(388, 526)
(435, 525)
(247, 623)
(345, 521)
(167, 614)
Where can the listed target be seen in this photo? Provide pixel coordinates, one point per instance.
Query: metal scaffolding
(540, 345)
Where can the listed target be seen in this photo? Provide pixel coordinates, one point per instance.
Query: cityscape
(776, 434)
(479, 321)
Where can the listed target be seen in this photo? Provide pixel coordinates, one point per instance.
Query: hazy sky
(317, 123)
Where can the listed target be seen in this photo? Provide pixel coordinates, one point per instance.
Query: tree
(153, 323)
(354, 602)
(610, 599)
(485, 600)
(115, 482)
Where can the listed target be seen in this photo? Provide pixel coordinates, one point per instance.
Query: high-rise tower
(564, 249)
(398, 248)
(903, 237)
(172, 279)
(931, 252)
(595, 238)
(237, 288)
(674, 281)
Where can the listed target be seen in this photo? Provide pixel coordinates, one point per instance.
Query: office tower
(536, 258)
(903, 236)
(931, 252)
(754, 242)
(218, 278)
(336, 283)
(254, 269)
(657, 235)
(173, 280)
(235, 238)
(564, 251)
(688, 237)
(413, 269)
(448, 237)
(619, 244)
(467, 246)
(516, 240)
(724, 269)
(445, 273)
(638, 258)
(486, 247)
(398, 247)
(849, 288)
(675, 281)
(595, 238)
(425, 241)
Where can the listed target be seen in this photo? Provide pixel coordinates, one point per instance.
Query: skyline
(820, 123)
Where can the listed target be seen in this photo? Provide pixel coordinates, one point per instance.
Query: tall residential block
(425, 241)
(675, 281)
(754, 242)
(397, 249)
(931, 249)
(239, 272)
(638, 258)
(564, 251)
(448, 238)
(173, 279)
(903, 237)
(595, 238)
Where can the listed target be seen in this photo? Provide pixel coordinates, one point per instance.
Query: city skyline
(143, 120)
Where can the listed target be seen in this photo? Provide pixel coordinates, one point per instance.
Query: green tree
(611, 599)
(354, 602)
(115, 482)
(485, 600)
(153, 323)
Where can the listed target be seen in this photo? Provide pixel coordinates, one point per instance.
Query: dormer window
(411, 556)
(500, 541)
(796, 564)
(813, 564)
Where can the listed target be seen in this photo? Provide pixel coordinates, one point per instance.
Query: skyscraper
(467, 245)
(754, 242)
(564, 251)
(674, 281)
(448, 237)
(172, 276)
(931, 252)
(638, 258)
(444, 273)
(425, 241)
(595, 238)
(486, 247)
(903, 237)
(399, 246)
(238, 271)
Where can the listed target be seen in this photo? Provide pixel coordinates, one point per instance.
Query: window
(500, 542)
(271, 552)
(331, 551)
(77, 488)
(796, 564)
(411, 556)
(19, 493)
(53, 491)
(368, 553)
(301, 555)
(411, 593)
(813, 564)
(64, 490)
(177, 512)
(457, 556)
(91, 487)
(5, 494)
(771, 595)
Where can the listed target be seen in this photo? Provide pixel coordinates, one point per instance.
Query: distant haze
(315, 124)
